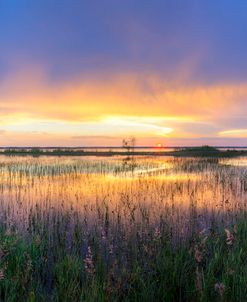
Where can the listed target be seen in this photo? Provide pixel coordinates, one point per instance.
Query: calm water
(184, 192)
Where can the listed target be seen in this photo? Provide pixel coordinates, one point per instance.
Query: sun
(159, 145)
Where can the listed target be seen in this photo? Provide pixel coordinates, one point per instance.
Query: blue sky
(74, 69)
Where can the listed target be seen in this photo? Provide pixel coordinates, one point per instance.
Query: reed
(117, 229)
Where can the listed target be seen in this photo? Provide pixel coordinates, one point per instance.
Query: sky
(91, 73)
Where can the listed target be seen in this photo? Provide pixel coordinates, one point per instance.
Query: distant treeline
(202, 151)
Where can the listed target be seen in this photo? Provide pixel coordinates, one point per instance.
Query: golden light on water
(56, 183)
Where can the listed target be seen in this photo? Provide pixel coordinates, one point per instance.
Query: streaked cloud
(237, 133)
(118, 105)
(172, 70)
(86, 99)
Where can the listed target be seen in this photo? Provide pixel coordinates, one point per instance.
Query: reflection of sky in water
(57, 165)
(239, 162)
(162, 186)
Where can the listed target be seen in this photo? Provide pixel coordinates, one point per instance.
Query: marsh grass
(101, 230)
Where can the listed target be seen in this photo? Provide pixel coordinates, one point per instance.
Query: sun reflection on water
(170, 187)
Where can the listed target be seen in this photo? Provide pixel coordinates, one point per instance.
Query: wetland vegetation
(202, 151)
(123, 229)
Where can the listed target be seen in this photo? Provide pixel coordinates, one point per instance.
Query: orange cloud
(116, 105)
(238, 133)
(31, 95)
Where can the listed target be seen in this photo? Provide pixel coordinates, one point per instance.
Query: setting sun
(123, 150)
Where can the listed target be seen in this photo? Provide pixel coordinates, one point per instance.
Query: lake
(114, 228)
(189, 194)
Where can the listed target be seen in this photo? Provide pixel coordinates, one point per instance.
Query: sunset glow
(123, 150)
(102, 80)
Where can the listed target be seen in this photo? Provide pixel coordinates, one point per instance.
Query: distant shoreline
(204, 151)
(114, 147)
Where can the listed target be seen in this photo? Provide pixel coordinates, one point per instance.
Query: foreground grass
(210, 267)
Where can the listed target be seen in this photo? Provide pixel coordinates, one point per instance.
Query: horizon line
(117, 147)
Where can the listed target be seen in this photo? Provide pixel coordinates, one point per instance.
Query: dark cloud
(82, 61)
(206, 39)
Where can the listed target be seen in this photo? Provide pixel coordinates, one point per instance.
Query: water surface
(139, 191)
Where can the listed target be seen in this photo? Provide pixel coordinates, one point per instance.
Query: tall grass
(111, 230)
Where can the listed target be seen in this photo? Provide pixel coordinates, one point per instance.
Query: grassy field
(140, 229)
(210, 267)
